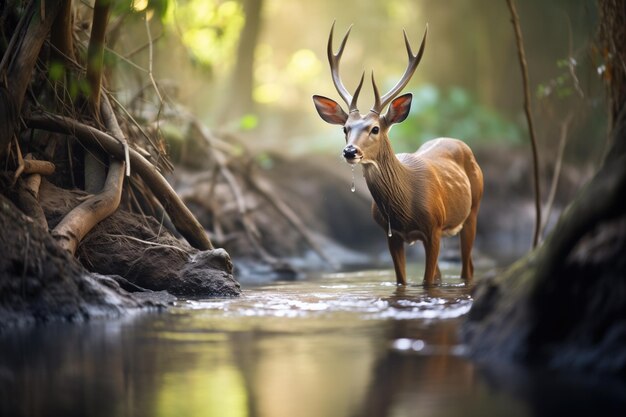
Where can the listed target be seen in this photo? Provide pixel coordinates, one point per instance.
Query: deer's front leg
(431, 248)
(396, 249)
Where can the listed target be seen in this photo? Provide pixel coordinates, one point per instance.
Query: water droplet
(353, 188)
(389, 232)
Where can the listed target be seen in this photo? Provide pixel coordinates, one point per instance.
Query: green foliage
(563, 85)
(209, 29)
(451, 113)
(248, 122)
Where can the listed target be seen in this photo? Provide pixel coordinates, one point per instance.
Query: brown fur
(423, 196)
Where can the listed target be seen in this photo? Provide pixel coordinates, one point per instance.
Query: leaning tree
(564, 305)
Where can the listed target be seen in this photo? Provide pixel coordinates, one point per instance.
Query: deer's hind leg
(468, 234)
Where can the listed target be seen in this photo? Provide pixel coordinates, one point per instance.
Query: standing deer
(433, 192)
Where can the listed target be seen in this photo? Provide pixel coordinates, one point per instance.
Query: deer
(432, 193)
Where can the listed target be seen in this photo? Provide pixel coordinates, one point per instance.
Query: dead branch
(249, 226)
(524, 68)
(183, 219)
(219, 149)
(28, 165)
(38, 167)
(264, 188)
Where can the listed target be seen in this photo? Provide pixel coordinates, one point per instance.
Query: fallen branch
(183, 219)
(220, 147)
(529, 118)
(263, 188)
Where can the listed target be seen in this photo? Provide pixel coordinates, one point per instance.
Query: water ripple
(330, 300)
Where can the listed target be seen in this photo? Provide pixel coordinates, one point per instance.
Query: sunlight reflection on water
(363, 296)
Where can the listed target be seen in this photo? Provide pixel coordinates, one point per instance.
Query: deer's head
(366, 133)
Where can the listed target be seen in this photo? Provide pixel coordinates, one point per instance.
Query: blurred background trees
(247, 70)
(466, 85)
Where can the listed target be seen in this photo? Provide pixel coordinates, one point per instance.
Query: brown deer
(425, 195)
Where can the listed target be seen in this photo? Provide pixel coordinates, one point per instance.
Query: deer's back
(450, 174)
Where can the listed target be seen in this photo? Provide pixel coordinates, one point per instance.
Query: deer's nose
(350, 152)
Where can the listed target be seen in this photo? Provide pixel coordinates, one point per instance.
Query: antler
(414, 60)
(334, 59)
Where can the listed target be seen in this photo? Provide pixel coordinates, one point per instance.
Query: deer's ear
(330, 110)
(399, 109)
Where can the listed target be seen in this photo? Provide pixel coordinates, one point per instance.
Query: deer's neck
(389, 182)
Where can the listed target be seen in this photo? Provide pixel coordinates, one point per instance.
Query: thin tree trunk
(95, 52)
(17, 69)
(529, 118)
(61, 36)
(240, 97)
(94, 168)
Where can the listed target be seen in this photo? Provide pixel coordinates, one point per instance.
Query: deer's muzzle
(352, 154)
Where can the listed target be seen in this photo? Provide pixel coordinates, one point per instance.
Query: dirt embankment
(135, 264)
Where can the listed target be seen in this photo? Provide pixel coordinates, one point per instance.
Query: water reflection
(339, 345)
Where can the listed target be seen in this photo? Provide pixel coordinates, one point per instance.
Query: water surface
(350, 344)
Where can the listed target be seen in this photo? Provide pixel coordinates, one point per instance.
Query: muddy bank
(39, 282)
(128, 263)
(144, 253)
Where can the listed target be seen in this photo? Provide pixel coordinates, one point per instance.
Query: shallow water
(350, 344)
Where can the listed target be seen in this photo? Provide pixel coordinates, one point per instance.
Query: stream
(344, 344)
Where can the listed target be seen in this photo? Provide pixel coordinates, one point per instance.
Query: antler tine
(414, 61)
(356, 94)
(377, 107)
(334, 59)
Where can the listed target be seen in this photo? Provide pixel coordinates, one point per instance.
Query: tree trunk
(61, 36)
(18, 64)
(240, 95)
(563, 305)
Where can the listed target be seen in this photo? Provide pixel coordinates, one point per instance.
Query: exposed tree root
(90, 212)
(93, 138)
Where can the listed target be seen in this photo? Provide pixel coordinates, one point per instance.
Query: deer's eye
(345, 131)
(375, 130)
